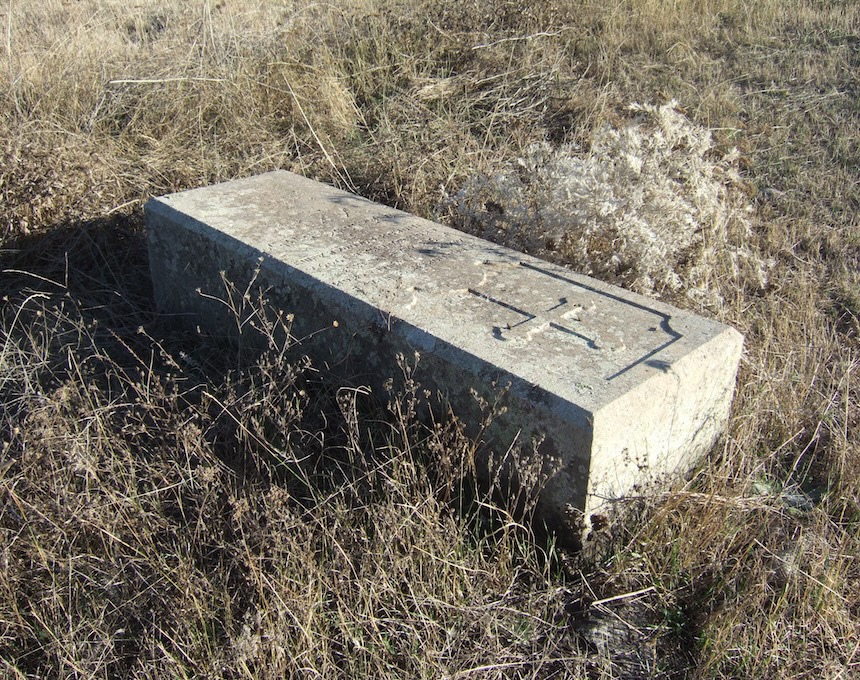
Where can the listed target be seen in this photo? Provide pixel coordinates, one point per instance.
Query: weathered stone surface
(620, 389)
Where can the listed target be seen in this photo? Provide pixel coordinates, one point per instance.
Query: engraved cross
(526, 325)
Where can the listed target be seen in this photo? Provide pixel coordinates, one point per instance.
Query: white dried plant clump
(646, 206)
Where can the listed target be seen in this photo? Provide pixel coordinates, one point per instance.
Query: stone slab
(618, 390)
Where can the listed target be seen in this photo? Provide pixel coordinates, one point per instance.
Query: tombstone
(616, 391)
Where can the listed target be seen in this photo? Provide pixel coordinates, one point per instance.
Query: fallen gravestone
(616, 390)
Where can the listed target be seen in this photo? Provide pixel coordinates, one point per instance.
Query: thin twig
(158, 81)
(124, 205)
(518, 38)
(635, 593)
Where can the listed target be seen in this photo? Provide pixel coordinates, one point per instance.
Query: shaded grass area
(159, 520)
(169, 509)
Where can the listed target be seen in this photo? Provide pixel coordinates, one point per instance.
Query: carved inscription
(583, 315)
(527, 325)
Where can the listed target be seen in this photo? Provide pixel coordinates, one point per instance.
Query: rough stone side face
(680, 413)
(621, 390)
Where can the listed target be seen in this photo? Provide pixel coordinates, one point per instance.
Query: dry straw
(172, 508)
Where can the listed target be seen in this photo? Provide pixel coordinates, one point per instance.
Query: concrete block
(619, 390)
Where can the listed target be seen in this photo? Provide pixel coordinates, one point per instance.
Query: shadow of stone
(88, 274)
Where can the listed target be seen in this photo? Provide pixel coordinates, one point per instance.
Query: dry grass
(172, 510)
